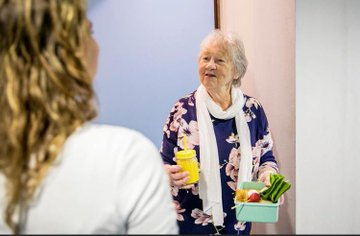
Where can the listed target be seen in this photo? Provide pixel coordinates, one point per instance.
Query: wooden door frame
(217, 14)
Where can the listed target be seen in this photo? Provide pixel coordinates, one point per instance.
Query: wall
(268, 31)
(147, 61)
(328, 116)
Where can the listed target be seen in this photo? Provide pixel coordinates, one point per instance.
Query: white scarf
(210, 182)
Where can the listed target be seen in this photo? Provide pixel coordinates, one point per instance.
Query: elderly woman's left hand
(265, 177)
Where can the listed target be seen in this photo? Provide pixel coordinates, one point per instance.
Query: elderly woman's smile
(210, 74)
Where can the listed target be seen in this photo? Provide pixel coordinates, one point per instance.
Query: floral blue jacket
(182, 120)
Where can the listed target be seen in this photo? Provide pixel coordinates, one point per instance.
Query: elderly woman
(228, 130)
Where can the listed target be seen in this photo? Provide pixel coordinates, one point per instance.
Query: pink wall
(268, 31)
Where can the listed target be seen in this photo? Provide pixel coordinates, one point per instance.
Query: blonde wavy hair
(46, 91)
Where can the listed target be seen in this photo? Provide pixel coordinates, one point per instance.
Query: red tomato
(254, 197)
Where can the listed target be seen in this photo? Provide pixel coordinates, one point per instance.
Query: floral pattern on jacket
(181, 121)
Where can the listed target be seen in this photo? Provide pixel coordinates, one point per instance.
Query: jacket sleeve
(170, 133)
(264, 143)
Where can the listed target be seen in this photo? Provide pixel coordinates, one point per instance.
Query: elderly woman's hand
(265, 177)
(177, 177)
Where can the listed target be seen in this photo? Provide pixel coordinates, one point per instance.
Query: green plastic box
(254, 211)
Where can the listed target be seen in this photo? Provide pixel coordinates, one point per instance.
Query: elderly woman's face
(216, 70)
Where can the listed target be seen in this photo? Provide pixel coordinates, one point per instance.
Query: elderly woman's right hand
(177, 177)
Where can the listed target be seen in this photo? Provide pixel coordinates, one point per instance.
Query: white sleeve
(148, 205)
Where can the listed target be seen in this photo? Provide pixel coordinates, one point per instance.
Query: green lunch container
(256, 212)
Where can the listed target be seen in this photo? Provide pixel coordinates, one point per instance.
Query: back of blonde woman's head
(45, 89)
(233, 46)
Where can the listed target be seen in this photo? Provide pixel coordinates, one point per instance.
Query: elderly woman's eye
(220, 60)
(205, 58)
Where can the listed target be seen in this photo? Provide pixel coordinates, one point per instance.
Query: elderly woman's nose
(211, 64)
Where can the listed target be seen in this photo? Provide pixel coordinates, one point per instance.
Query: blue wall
(148, 52)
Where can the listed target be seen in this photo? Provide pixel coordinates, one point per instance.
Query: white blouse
(107, 180)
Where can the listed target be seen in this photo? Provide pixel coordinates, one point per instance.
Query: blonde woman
(58, 172)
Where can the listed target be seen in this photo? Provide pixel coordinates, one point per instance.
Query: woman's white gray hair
(234, 46)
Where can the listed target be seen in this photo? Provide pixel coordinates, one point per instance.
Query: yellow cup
(187, 160)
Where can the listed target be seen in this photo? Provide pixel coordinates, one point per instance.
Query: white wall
(268, 31)
(148, 52)
(328, 116)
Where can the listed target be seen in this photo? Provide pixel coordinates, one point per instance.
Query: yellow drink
(187, 160)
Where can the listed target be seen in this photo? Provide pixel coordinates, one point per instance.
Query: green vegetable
(277, 187)
(284, 187)
(275, 179)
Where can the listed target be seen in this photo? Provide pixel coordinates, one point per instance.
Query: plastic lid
(185, 154)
